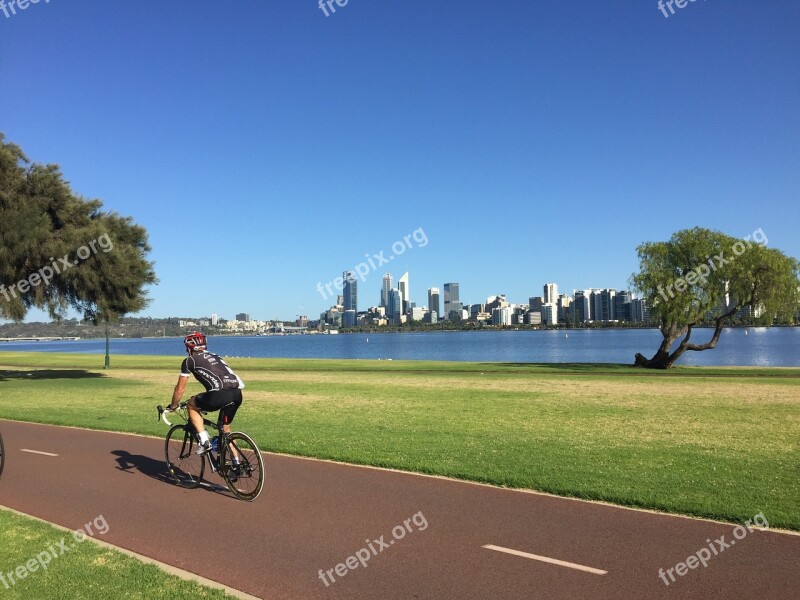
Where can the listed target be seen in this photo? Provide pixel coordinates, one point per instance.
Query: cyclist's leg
(227, 415)
(194, 413)
(229, 412)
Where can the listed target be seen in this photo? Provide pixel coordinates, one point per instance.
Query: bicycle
(237, 459)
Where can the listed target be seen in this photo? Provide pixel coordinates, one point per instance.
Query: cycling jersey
(210, 370)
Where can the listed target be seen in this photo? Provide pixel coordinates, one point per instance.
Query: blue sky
(267, 147)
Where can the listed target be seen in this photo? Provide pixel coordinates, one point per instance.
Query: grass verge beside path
(711, 442)
(85, 571)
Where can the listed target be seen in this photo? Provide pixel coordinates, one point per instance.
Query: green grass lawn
(712, 442)
(84, 571)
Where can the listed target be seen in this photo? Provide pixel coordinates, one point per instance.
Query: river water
(755, 346)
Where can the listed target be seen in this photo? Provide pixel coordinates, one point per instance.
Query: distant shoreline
(383, 331)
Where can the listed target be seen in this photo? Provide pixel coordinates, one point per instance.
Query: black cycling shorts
(216, 399)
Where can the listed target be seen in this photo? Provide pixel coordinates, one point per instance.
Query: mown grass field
(85, 570)
(712, 442)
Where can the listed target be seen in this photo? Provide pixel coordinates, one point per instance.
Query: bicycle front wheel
(244, 467)
(2, 455)
(185, 466)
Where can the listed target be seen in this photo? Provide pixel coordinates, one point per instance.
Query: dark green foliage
(43, 226)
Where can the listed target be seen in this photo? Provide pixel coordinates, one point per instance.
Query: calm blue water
(776, 347)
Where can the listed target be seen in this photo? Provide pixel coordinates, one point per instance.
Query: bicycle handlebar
(162, 412)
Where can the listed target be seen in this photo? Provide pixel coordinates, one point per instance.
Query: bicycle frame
(212, 456)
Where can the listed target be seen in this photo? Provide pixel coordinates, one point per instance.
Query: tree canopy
(701, 276)
(59, 251)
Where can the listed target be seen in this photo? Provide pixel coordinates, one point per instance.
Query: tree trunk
(661, 359)
(664, 360)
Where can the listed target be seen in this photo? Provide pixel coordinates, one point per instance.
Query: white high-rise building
(386, 290)
(402, 285)
(214, 319)
(502, 316)
(550, 313)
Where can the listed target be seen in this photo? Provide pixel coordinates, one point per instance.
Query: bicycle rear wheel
(245, 480)
(185, 466)
(2, 455)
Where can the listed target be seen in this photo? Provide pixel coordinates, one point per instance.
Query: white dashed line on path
(552, 561)
(38, 452)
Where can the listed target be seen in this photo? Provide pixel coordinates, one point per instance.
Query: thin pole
(108, 358)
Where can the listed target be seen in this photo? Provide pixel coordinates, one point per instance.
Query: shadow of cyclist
(157, 469)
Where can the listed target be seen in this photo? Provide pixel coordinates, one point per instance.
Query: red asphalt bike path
(313, 515)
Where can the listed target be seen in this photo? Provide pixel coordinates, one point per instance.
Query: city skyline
(396, 306)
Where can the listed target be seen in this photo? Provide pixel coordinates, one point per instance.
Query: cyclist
(223, 387)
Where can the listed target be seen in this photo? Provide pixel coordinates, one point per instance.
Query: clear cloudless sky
(267, 147)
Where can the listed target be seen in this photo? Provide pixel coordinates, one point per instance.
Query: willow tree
(61, 252)
(703, 276)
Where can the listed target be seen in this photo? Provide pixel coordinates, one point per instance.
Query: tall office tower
(550, 293)
(451, 299)
(563, 303)
(603, 304)
(214, 319)
(402, 285)
(622, 306)
(394, 308)
(582, 306)
(350, 290)
(602, 301)
(640, 311)
(433, 300)
(597, 305)
(245, 317)
(385, 289)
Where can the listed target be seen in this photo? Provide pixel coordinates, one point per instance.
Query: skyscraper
(563, 303)
(550, 293)
(603, 304)
(350, 291)
(433, 300)
(640, 311)
(622, 306)
(581, 306)
(387, 287)
(394, 307)
(451, 299)
(402, 285)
